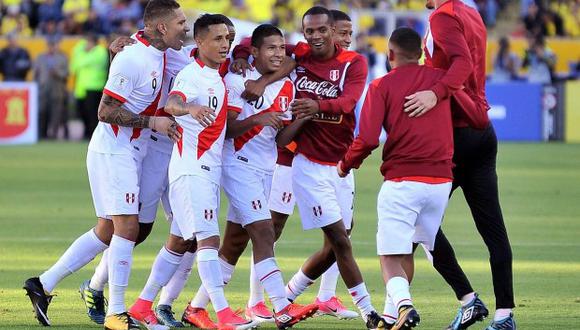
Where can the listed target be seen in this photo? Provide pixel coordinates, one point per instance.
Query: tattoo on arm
(111, 111)
(175, 106)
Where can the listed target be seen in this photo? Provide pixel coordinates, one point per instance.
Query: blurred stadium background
(54, 60)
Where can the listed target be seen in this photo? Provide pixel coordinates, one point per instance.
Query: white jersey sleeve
(183, 87)
(123, 78)
(235, 88)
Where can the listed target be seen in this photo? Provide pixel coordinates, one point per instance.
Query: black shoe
(375, 321)
(469, 314)
(165, 316)
(408, 318)
(39, 299)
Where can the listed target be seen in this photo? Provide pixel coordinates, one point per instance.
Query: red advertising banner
(18, 113)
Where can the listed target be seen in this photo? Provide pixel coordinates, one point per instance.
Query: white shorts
(114, 181)
(248, 191)
(322, 196)
(409, 212)
(282, 198)
(195, 203)
(153, 184)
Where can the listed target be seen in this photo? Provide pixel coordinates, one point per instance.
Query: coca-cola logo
(320, 88)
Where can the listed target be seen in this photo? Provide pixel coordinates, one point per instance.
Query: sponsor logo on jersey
(324, 117)
(320, 88)
(334, 75)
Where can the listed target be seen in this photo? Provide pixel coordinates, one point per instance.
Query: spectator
(506, 63)
(533, 21)
(49, 11)
(554, 23)
(364, 48)
(89, 66)
(15, 22)
(51, 72)
(14, 61)
(540, 60)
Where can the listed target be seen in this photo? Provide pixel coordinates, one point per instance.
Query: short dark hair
(227, 21)
(338, 15)
(264, 31)
(204, 21)
(156, 9)
(408, 41)
(319, 10)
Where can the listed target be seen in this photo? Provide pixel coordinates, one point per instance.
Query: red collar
(139, 36)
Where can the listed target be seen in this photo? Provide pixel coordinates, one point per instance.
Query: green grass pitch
(45, 204)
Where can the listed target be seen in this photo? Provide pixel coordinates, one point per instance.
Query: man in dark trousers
(456, 42)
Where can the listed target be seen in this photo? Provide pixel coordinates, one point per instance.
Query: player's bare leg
(337, 239)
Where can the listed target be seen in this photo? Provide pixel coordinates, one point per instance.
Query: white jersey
(135, 78)
(257, 147)
(175, 60)
(199, 151)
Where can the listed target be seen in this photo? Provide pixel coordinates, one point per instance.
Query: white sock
(502, 313)
(163, 269)
(328, 282)
(101, 275)
(271, 278)
(467, 299)
(201, 298)
(210, 272)
(390, 312)
(362, 299)
(398, 289)
(79, 253)
(256, 288)
(171, 291)
(297, 284)
(120, 261)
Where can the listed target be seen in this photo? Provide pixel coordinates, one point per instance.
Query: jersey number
(257, 103)
(213, 102)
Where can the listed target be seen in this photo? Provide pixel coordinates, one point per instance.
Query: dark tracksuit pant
(475, 172)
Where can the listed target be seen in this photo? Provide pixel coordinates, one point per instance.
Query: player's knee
(178, 244)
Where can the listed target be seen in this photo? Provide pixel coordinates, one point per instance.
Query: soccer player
(416, 166)
(281, 201)
(249, 159)
(114, 161)
(198, 100)
(154, 186)
(329, 82)
(457, 43)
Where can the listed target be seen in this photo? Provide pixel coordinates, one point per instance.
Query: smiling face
(175, 30)
(269, 56)
(318, 32)
(343, 33)
(213, 45)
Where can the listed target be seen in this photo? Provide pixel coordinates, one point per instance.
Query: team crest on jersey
(283, 102)
(334, 75)
(286, 197)
(208, 214)
(130, 198)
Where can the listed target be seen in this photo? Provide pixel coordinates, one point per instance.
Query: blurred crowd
(553, 18)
